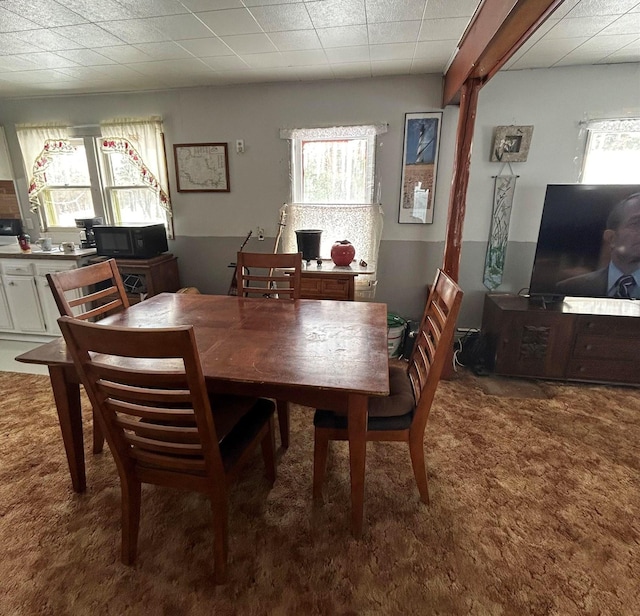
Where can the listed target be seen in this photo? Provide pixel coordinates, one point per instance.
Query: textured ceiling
(74, 46)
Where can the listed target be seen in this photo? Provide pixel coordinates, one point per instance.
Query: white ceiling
(74, 46)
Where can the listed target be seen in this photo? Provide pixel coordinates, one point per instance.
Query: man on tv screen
(621, 277)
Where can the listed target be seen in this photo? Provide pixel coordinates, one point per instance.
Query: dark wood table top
(321, 345)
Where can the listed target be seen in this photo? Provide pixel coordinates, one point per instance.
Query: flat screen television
(570, 241)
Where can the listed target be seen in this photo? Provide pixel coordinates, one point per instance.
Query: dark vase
(342, 252)
(309, 243)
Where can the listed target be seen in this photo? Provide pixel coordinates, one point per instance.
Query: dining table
(319, 353)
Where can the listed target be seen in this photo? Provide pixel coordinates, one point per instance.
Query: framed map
(202, 167)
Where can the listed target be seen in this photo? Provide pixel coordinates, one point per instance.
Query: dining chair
(402, 416)
(275, 276)
(269, 275)
(150, 395)
(89, 293)
(96, 291)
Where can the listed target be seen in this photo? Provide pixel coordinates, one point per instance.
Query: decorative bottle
(342, 252)
(25, 242)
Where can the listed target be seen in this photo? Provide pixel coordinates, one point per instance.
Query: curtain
(360, 224)
(142, 141)
(38, 145)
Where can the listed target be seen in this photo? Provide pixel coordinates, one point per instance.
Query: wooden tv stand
(580, 339)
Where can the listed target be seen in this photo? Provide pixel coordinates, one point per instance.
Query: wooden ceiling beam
(497, 30)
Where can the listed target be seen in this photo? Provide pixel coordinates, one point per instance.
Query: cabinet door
(49, 308)
(24, 304)
(6, 323)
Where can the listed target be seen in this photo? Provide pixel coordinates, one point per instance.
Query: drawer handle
(588, 347)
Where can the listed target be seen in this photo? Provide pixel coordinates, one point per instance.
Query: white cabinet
(5, 316)
(24, 303)
(27, 307)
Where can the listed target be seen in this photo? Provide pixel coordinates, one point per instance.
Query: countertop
(12, 251)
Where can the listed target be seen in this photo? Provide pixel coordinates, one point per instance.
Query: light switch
(240, 146)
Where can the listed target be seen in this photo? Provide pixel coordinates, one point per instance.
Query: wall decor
(419, 166)
(504, 189)
(202, 167)
(511, 144)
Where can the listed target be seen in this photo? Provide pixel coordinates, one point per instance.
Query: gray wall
(211, 226)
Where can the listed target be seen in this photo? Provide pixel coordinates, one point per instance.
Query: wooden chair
(162, 428)
(403, 415)
(262, 275)
(96, 291)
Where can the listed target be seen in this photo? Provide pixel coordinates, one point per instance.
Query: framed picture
(511, 144)
(419, 167)
(202, 167)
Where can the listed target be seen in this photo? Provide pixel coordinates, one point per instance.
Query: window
(612, 154)
(332, 188)
(120, 176)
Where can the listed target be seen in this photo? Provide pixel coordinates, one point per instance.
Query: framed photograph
(202, 167)
(511, 144)
(419, 167)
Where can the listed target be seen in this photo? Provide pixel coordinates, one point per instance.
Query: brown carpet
(534, 510)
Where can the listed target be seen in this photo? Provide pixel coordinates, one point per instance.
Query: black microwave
(132, 240)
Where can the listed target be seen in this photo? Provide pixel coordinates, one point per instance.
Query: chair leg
(98, 436)
(416, 451)
(320, 451)
(268, 445)
(131, 492)
(220, 511)
(283, 420)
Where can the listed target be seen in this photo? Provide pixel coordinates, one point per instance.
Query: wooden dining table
(319, 353)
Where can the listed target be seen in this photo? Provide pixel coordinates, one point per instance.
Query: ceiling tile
(440, 51)
(167, 50)
(588, 8)
(86, 57)
(439, 9)
(264, 60)
(47, 59)
(249, 43)
(579, 27)
(46, 40)
(45, 13)
(88, 35)
(394, 32)
(98, 10)
(546, 53)
(16, 63)
(211, 46)
(36, 77)
(230, 22)
(154, 8)
(443, 29)
(596, 49)
(421, 66)
(393, 51)
(340, 55)
(282, 17)
(295, 39)
(629, 53)
(328, 13)
(12, 43)
(251, 3)
(226, 63)
(352, 70)
(343, 36)
(205, 5)
(124, 54)
(394, 10)
(626, 24)
(308, 57)
(179, 27)
(10, 22)
(390, 67)
(170, 67)
(133, 31)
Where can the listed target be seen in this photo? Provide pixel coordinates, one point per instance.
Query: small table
(329, 281)
(323, 354)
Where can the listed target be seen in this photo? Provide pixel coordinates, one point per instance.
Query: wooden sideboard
(329, 281)
(144, 278)
(580, 339)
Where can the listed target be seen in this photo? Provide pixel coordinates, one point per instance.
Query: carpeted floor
(535, 506)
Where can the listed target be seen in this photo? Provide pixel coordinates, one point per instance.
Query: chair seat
(393, 412)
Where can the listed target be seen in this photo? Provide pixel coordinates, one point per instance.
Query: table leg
(67, 397)
(357, 432)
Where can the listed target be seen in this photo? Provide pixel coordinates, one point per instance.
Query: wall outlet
(240, 146)
(260, 233)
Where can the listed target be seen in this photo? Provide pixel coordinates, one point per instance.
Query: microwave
(131, 240)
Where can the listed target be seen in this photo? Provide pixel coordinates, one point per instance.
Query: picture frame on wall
(419, 167)
(511, 144)
(202, 167)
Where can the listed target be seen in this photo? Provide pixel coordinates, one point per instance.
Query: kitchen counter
(12, 251)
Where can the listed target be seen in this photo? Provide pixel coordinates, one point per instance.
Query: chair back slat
(154, 415)
(433, 343)
(262, 275)
(99, 287)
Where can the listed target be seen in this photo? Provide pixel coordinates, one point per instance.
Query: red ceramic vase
(342, 252)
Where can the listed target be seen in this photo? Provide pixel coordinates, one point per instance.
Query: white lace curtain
(142, 141)
(360, 224)
(39, 144)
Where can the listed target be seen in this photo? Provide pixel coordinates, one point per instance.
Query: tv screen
(576, 254)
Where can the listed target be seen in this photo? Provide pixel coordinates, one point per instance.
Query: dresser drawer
(606, 371)
(316, 287)
(606, 347)
(612, 327)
